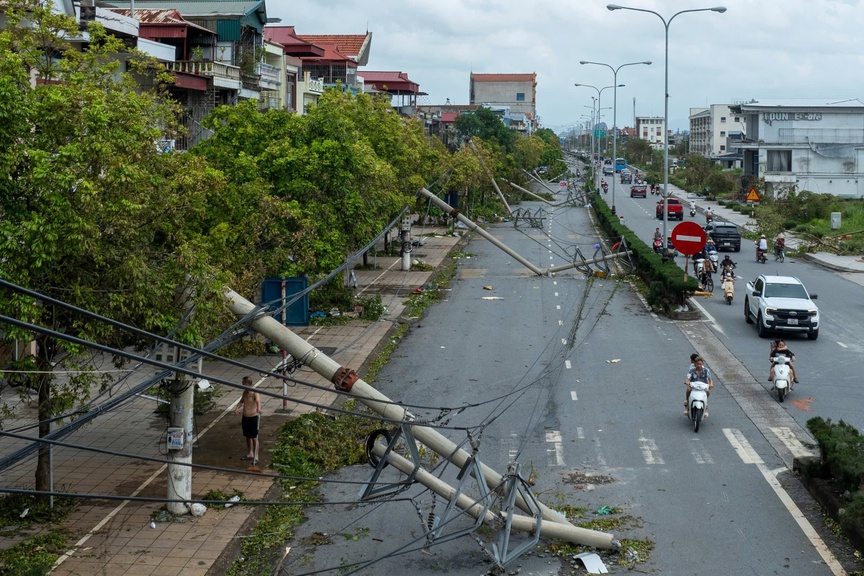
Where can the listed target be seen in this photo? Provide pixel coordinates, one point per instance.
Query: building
(403, 92)
(711, 131)
(815, 145)
(651, 128)
(514, 93)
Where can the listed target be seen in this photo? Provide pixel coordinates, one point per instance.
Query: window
(520, 96)
(737, 118)
(722, 147)
(779, 161)
(722, 133)
(722, 119)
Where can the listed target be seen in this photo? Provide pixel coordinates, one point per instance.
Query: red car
(675, 210)
(639, 191)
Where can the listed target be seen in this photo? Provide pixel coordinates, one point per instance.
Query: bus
(620, 164)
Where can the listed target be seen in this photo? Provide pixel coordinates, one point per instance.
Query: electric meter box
(176, 438)
(406, 223)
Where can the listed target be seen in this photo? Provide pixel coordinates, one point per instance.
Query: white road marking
(558, 306)
(841, 344)
(555, 283)
(573, 395)
(567, 364)
(794, 445)
(513, 452)
(556, 294)
(580, 433)
(650, 451)
(560, 322)
(555, 455)
(713, 321)
(564, 341)
(700, 454)
(601, 460)
(742, 446)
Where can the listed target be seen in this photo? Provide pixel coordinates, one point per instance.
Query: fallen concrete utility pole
(474, 228)
(539, 181)
(513, 184)
(347, 380)
(565, 532)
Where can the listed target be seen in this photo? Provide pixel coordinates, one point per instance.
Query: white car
(781, 304)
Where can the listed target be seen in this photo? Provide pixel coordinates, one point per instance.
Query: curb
(829, 266)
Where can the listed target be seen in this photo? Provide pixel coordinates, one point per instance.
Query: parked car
(639, 191)
(781, 303)
(675, 210)
(725, 235)
(626, 176)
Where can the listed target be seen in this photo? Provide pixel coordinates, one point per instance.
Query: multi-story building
(712, 129)
(651, 128)
(815, 145)
(515, 92)
(402, 90)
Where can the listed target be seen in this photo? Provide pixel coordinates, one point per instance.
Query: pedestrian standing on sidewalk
(250, 405)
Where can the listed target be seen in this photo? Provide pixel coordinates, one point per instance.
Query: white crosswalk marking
(794, 445)
(555, 453)
(573, 395)
(567, 364)
(742, 446)
(650, 451)
(700, 454)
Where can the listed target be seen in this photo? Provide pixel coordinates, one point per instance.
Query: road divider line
(573, 395)
(555, 455)
(650, 451)
(742, 446)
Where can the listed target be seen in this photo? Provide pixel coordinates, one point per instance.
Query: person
(778, 348)
(658, 235)
(727, 262)
(698, 373)
(709, 215)
(692, 206)
(727, 273)
(779, 243)
(250, 405)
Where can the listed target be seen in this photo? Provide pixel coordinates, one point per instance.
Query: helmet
(781, 237)
(762, 236)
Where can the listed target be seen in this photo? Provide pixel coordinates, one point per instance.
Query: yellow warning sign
(752, 196)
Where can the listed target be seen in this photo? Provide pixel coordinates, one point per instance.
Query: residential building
(806, 144)
(302, 88)
(711, 130)
(651, 128)
(403, 92)
(440, 121)
(343, 54)
(517, 93)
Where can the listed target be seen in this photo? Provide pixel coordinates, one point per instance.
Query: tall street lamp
(594, 128)
(666, 23)
(614, 112)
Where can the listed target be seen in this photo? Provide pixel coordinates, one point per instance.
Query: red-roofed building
(517, 93)
(403, 92)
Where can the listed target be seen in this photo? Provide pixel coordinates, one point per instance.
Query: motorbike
(703, 273)
(709, 218)
(782, 372)
(779, 253)
(658, 245)
(697, 403)
(604, 185)
(692, 212)
(729, 289)
(761, 256)
(715, 259)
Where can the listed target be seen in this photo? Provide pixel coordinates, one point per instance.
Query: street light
(666, 24)
(593, 128)
(614, 113)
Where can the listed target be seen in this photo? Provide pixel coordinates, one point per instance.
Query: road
(573, 378)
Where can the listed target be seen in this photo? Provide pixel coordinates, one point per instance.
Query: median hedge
(667, 288)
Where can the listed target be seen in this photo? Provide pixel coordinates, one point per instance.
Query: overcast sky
(756, 49)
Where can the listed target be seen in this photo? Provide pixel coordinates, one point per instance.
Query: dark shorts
(250, 426)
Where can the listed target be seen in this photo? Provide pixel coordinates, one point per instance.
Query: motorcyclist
(727, 261)
(698, 373)
(778, 348)
(761, 246)
(779, 244)
(709, 215)
(726, 273)
(693, 206)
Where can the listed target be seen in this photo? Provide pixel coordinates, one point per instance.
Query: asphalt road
(573, 378)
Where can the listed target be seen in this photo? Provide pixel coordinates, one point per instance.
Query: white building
(815, 145)
(651, 128)
(516, 92)
(711, 130)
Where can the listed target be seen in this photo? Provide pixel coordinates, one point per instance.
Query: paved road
(573, 378)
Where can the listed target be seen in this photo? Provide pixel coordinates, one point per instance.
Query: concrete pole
(566, 532)
(347, 380)
(527, 191)
(491, 177)
(179, 476)
(538, 181)
(474, 228)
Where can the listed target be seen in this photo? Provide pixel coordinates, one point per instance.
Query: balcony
(316, 85)
(269, 76)
(223, 75)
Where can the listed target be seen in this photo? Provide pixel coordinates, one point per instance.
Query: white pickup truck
(782, 304)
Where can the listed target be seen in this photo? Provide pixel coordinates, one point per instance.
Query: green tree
(91, 213)
(487, 125)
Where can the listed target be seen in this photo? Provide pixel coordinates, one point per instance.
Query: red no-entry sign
(688, 238)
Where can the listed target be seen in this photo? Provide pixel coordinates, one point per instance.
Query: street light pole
(593, 128)
(614, 113)
(666, 24)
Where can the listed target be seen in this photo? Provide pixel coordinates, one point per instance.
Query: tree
(92, 214)
(488, 126)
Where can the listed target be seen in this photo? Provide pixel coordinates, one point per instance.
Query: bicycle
(706, 281)
(779, 254)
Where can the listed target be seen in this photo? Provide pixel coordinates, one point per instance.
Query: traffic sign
(563, 184)
(752, 196)
(599, 134)
(688, 238)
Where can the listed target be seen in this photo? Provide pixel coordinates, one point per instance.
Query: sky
(756, 49)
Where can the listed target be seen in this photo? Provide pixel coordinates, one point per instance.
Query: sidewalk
(825, 259)
(115, 537)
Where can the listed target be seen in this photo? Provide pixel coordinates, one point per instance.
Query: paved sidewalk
(116, 537)
(825, 259)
